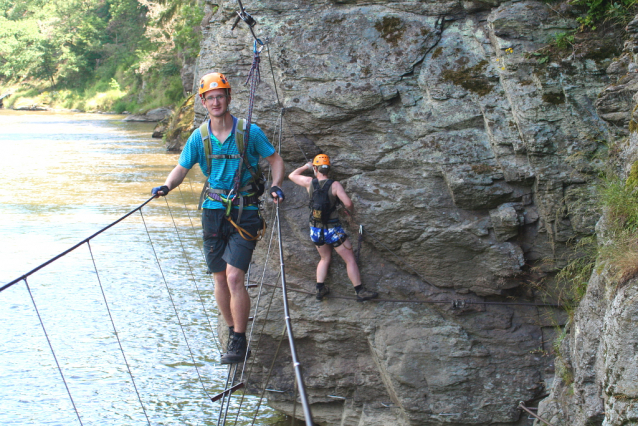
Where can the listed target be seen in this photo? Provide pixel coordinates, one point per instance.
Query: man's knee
(235, 278)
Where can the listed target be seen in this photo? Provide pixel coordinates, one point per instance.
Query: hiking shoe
(324, 291)
(365, 294)
(236, 351)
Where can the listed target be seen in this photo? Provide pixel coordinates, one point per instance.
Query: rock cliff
(596, 380)
(471, 150)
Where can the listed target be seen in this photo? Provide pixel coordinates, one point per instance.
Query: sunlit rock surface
(470, 152)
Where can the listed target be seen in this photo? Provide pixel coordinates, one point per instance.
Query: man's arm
(296, 176)
(174, 179)
(277, 169)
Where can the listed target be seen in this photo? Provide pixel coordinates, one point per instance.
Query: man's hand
(160, 190)
(277, 194)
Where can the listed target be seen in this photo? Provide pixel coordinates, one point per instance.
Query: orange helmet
(321, 160)
(214, 80)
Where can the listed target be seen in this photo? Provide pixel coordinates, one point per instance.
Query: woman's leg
(325, 251)
(346, 253)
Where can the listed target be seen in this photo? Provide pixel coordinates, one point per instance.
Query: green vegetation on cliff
(105, 55)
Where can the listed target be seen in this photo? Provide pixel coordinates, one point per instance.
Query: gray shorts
(223, 244)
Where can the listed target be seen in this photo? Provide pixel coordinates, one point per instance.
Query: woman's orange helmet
(214, 80)
(321, 160)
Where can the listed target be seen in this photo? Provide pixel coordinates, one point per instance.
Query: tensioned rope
(64, 253)
(521, 406)
(87, 241)
(291, 338)
(170, 296)
(117, 335)
(455, 303)
(41, 266)
(52, 351)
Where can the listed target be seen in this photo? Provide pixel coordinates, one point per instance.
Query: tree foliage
(76, 43)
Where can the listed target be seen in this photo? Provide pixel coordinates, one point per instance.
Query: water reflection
(68, 175)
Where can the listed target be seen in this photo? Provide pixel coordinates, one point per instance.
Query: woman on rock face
(325, 229)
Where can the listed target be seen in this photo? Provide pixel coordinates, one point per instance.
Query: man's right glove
(164, 189)
(277, 190)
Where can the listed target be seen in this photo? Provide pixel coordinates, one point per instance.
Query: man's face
(216, 102)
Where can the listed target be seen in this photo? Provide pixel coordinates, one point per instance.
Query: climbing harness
(257, 183)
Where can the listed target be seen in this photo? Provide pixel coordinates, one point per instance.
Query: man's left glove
(162, 188)
(277, 190)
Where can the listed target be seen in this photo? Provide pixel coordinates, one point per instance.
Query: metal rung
(227, 392)
(252, 285)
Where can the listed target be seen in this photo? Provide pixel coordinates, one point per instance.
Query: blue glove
(157, 189)
(277, 190)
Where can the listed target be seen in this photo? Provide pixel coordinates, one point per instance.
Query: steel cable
(68, 391)
(291, 338)
(117, 335)
(192, 274)
(179, 321)
(272, 365)
(201, 250)
(64, 253)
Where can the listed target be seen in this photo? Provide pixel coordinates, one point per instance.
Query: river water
(65, 177)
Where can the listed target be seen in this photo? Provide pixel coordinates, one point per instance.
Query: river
(65, 177)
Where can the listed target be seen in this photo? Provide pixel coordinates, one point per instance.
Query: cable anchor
(242, 15)
(459, 304)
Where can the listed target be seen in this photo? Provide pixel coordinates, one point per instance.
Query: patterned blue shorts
(333, 236)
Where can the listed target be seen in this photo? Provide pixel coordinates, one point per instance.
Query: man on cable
(325, 229)
(231, 220)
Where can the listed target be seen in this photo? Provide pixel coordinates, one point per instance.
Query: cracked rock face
(596, 381)
(471, 164)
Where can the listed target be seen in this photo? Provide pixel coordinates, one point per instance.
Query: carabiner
(260, 48)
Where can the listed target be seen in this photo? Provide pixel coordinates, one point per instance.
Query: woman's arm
(297, 178)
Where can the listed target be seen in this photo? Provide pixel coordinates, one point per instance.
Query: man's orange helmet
(321, 160)
(214, 80)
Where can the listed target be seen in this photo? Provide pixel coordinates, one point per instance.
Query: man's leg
(237, 256)
(239, 305)
(223, 297)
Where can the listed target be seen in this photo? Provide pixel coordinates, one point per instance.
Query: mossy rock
(181, 125)
(632, 179)
(472, 79)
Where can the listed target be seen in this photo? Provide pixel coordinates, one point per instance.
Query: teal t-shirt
(223, 171)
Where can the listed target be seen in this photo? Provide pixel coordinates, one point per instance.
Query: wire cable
(64, 253)
(117, 335)
(199, 293)
(179, 321)
(291, 339)
(68, 391)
